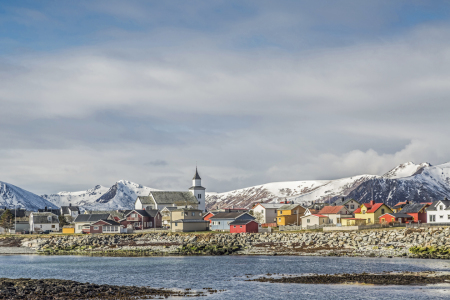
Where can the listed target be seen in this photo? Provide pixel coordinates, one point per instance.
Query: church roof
(177, 198)
(196, 176)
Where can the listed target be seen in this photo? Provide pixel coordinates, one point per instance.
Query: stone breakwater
(427, 243)
(46, 289)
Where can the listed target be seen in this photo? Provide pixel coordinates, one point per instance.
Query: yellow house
(372, 211)
(352, 222)
(290, 214)
(68, 229)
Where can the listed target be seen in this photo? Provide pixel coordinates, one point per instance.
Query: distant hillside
(418, 183)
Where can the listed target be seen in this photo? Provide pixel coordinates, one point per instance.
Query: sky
(251, 92)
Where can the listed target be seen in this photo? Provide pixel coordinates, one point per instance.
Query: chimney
(372, 202)
(70, 204)
(343, 199)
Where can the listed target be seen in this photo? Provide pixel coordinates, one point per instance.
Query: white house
(350, 204)
(70, 211)
(335, 213)
(42, 221)
(315, 219)
(439, 212)
(266, 212)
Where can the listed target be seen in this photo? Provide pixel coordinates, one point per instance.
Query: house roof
(289, 206)
(145, 199)
(432, 207)
(413, 207)
(187, 209)
(42, 218)
(110, 222)
(228, 215)
(371, 207)
(270, 205)
(67, 209)
(177, 198)
(169, 208)
(331, 209)
(401, 204)
(113, 213)
(55, 211)
(343, 201)
(196, 176)
(398, 215)
(242, 222)
(91, 218)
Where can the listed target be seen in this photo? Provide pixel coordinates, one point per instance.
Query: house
(266, 212)
(245, 225)
(395, 217)
(106, 226)
(56, 211)
(317, 205)
(310, 211)
(229, 209)
(70, 212)
(398, 207)
(417, 210)
(313, 220)
(43, 221)
(116, 215)
(439, 212)
(352, 222)
(139, 219)
(83, 222)
(157, 200)
(221, 221)
(371, 211)
(188, 219)
(335, 213)
(290, 214)
(166, 215)
(350, 204)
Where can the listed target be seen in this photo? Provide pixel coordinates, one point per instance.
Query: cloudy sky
(92, 92)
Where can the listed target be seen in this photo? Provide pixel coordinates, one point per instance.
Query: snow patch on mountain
(121, 195)
(406, 170)
(12, 196)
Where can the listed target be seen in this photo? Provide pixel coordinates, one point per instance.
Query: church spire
(196, 176)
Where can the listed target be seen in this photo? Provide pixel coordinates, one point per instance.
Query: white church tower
(198, 191)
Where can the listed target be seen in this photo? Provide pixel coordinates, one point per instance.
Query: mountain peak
(405, 170)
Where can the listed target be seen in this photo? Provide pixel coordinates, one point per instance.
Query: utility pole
(15, 217)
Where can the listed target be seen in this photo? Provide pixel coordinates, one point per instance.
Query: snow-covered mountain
(12, 196)
(121, 195)
(417, 183)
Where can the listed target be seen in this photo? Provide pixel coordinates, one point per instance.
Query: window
(199, 196)
(49, 219)
(308, 221)
(441, 207)
(441, 217)
(193, 213)
(241, 226)
(234, 226)
(53, 226)
(368, 220)
(275, 211)
(218, 223)
(382, 211)
(352, 206)
(281, 212)
(363, 211)
(95, 227)
(448, 217)
(176, 224)
(150, 224)
(279, 219)
(295, 212)
(79, 227)
(186, 214)
(41, 226)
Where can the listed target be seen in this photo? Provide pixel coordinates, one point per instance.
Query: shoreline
(406, 243)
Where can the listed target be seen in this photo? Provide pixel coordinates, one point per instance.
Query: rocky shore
(404, 278)
(432, 242)
(49, 289)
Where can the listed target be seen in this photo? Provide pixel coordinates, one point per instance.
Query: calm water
(228, 272)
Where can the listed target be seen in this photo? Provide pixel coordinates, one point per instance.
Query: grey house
(221, 221)
(83, 222)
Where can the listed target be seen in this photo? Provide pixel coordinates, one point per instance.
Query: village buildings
(187, 220)
(266, 212)
(290, 214)
(371, 211)
(44, 221)
(335, 213)
(221, 221)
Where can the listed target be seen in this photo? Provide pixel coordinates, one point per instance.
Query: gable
(245, 216)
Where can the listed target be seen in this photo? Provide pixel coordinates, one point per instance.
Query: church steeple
(196, 176)
(197, 190)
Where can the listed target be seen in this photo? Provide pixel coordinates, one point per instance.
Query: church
(158, 200)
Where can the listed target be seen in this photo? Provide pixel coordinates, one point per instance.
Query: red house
(245, 225)
(105, 226)
(417, 211)
(395, 217)
(142, 219)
